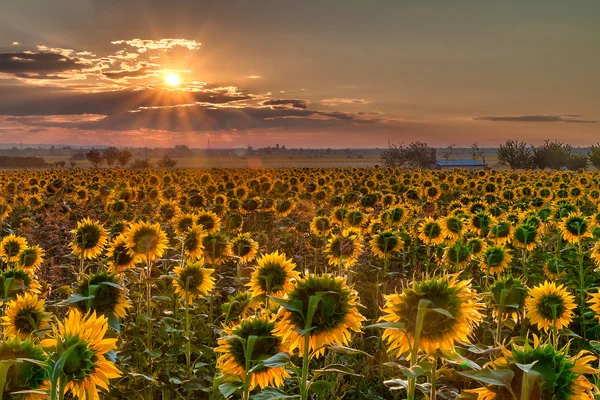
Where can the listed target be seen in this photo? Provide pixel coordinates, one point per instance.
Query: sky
(338, 73)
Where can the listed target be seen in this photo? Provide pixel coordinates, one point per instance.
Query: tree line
(113, 156)
(551, 154)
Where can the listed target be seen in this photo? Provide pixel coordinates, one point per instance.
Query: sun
(172, 80)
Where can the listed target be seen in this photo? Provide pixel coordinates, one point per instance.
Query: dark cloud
(39, 65)
(570, 118)
(292, 103)
(115, 103)
(138, 73)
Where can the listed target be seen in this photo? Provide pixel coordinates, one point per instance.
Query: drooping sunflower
(119, 257)
(385, 243)
(273, 276)
(31, 257)
(335, 316)
(439, 332)
(559, 376)
(233, 358)
(496, 259)
(244, 248)
(25, 315)
(430, 232)
(575, 227)
(108, 296)
(86, 368)
(193, 280)
(18, 281)
(23, 376)
(11, 246)
(344, 249)
(239, 306)
(321, 226)
(548, 301)
(89, 239)
(192, 241)
(145, 240)
(216, 247)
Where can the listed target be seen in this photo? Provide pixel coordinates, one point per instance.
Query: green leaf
(270, 393)
(397, 326)
(526, 367)
(111, 284)
(313, 303)
(348, 350)
(146, 377)
(412, 373)
(501, 377)
(457, 359)
(278, 360)
(337, 369)
(77, 297)
(290, 305)
(442, 311)
(229, 388)
(320, 387)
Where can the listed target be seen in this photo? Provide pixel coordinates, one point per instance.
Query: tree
(124, 157)
(515, 154)
(166, 162)
(594, 155)
(141, 164)
(111, 155)
(448, 152)
(553, 155)
(94, 157)
(415, 155)
(73, 164)
(477, 153)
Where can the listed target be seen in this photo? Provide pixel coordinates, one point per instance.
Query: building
(468, 164)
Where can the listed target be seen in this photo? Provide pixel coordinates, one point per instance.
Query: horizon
(150, 73)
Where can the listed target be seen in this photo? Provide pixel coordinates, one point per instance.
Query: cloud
(342, 100)
(143, 45)
(569, 118)
(38, 65)
(137, 73)
(285, 103)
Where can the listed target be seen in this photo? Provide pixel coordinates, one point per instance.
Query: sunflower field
(307, 283)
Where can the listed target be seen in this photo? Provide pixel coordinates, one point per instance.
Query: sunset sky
(339, 74)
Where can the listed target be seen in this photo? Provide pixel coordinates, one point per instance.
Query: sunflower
(216, 247)
(5, 209)
(239, 306)
(25, 315)
(182, 223)
(192, 241)
(105, 295)
(89, 239)
(575, 227)
(283, 207)
(458, 255)
(508, 296)
(394, 217)
(559, 376)
(321, 226)
(344, 249)
(439, 331)
(335, 315)
(146, 240)
(274, 275)
(595, 254)
(15, 282)
(452, 227)
(244, 248)
(594, 303)
(525, 236)
(548, 301)
(119, 258)
(86, 368)
(193, 280)
(209, 221)
(501, 232)
(385, 243)
(28, 375)
(11, 246)
(430, 232)
(233, 360)
(31, 257)
(496, 259)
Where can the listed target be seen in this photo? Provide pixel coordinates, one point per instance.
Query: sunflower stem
(414, 351)
(434, 377)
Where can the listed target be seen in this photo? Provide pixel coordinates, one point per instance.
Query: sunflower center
(145, 240)
(432, 230)
(87, 237)
(28, 258)
(576, 226)
(207, 221)
(27, 320)
(12, 248)
(548, 303)
(191, 277)
(121, 256)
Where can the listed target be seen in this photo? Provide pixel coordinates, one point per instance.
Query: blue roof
(459, 163)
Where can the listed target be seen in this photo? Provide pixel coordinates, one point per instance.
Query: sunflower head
(119, 256)
(146, 240)
(106, 295)
(550, 305)
(244, 248)
(80, 338)
(344, 249)
(333, 317)
(525, 236)
(237, 352)
(385, 243)
(321, 226)
(15, 282)
(430, 232)
(216, 247)
(439, 331)
(273, 276)
(458, 254)
(496, 259)
(209, 221)
(89, 239)
(24, 316)
(192, 241)
(23, 375)
(31, 257)
(239, 306)
(193, 280)
(575, 227)
(11, 246)
(508, 295)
